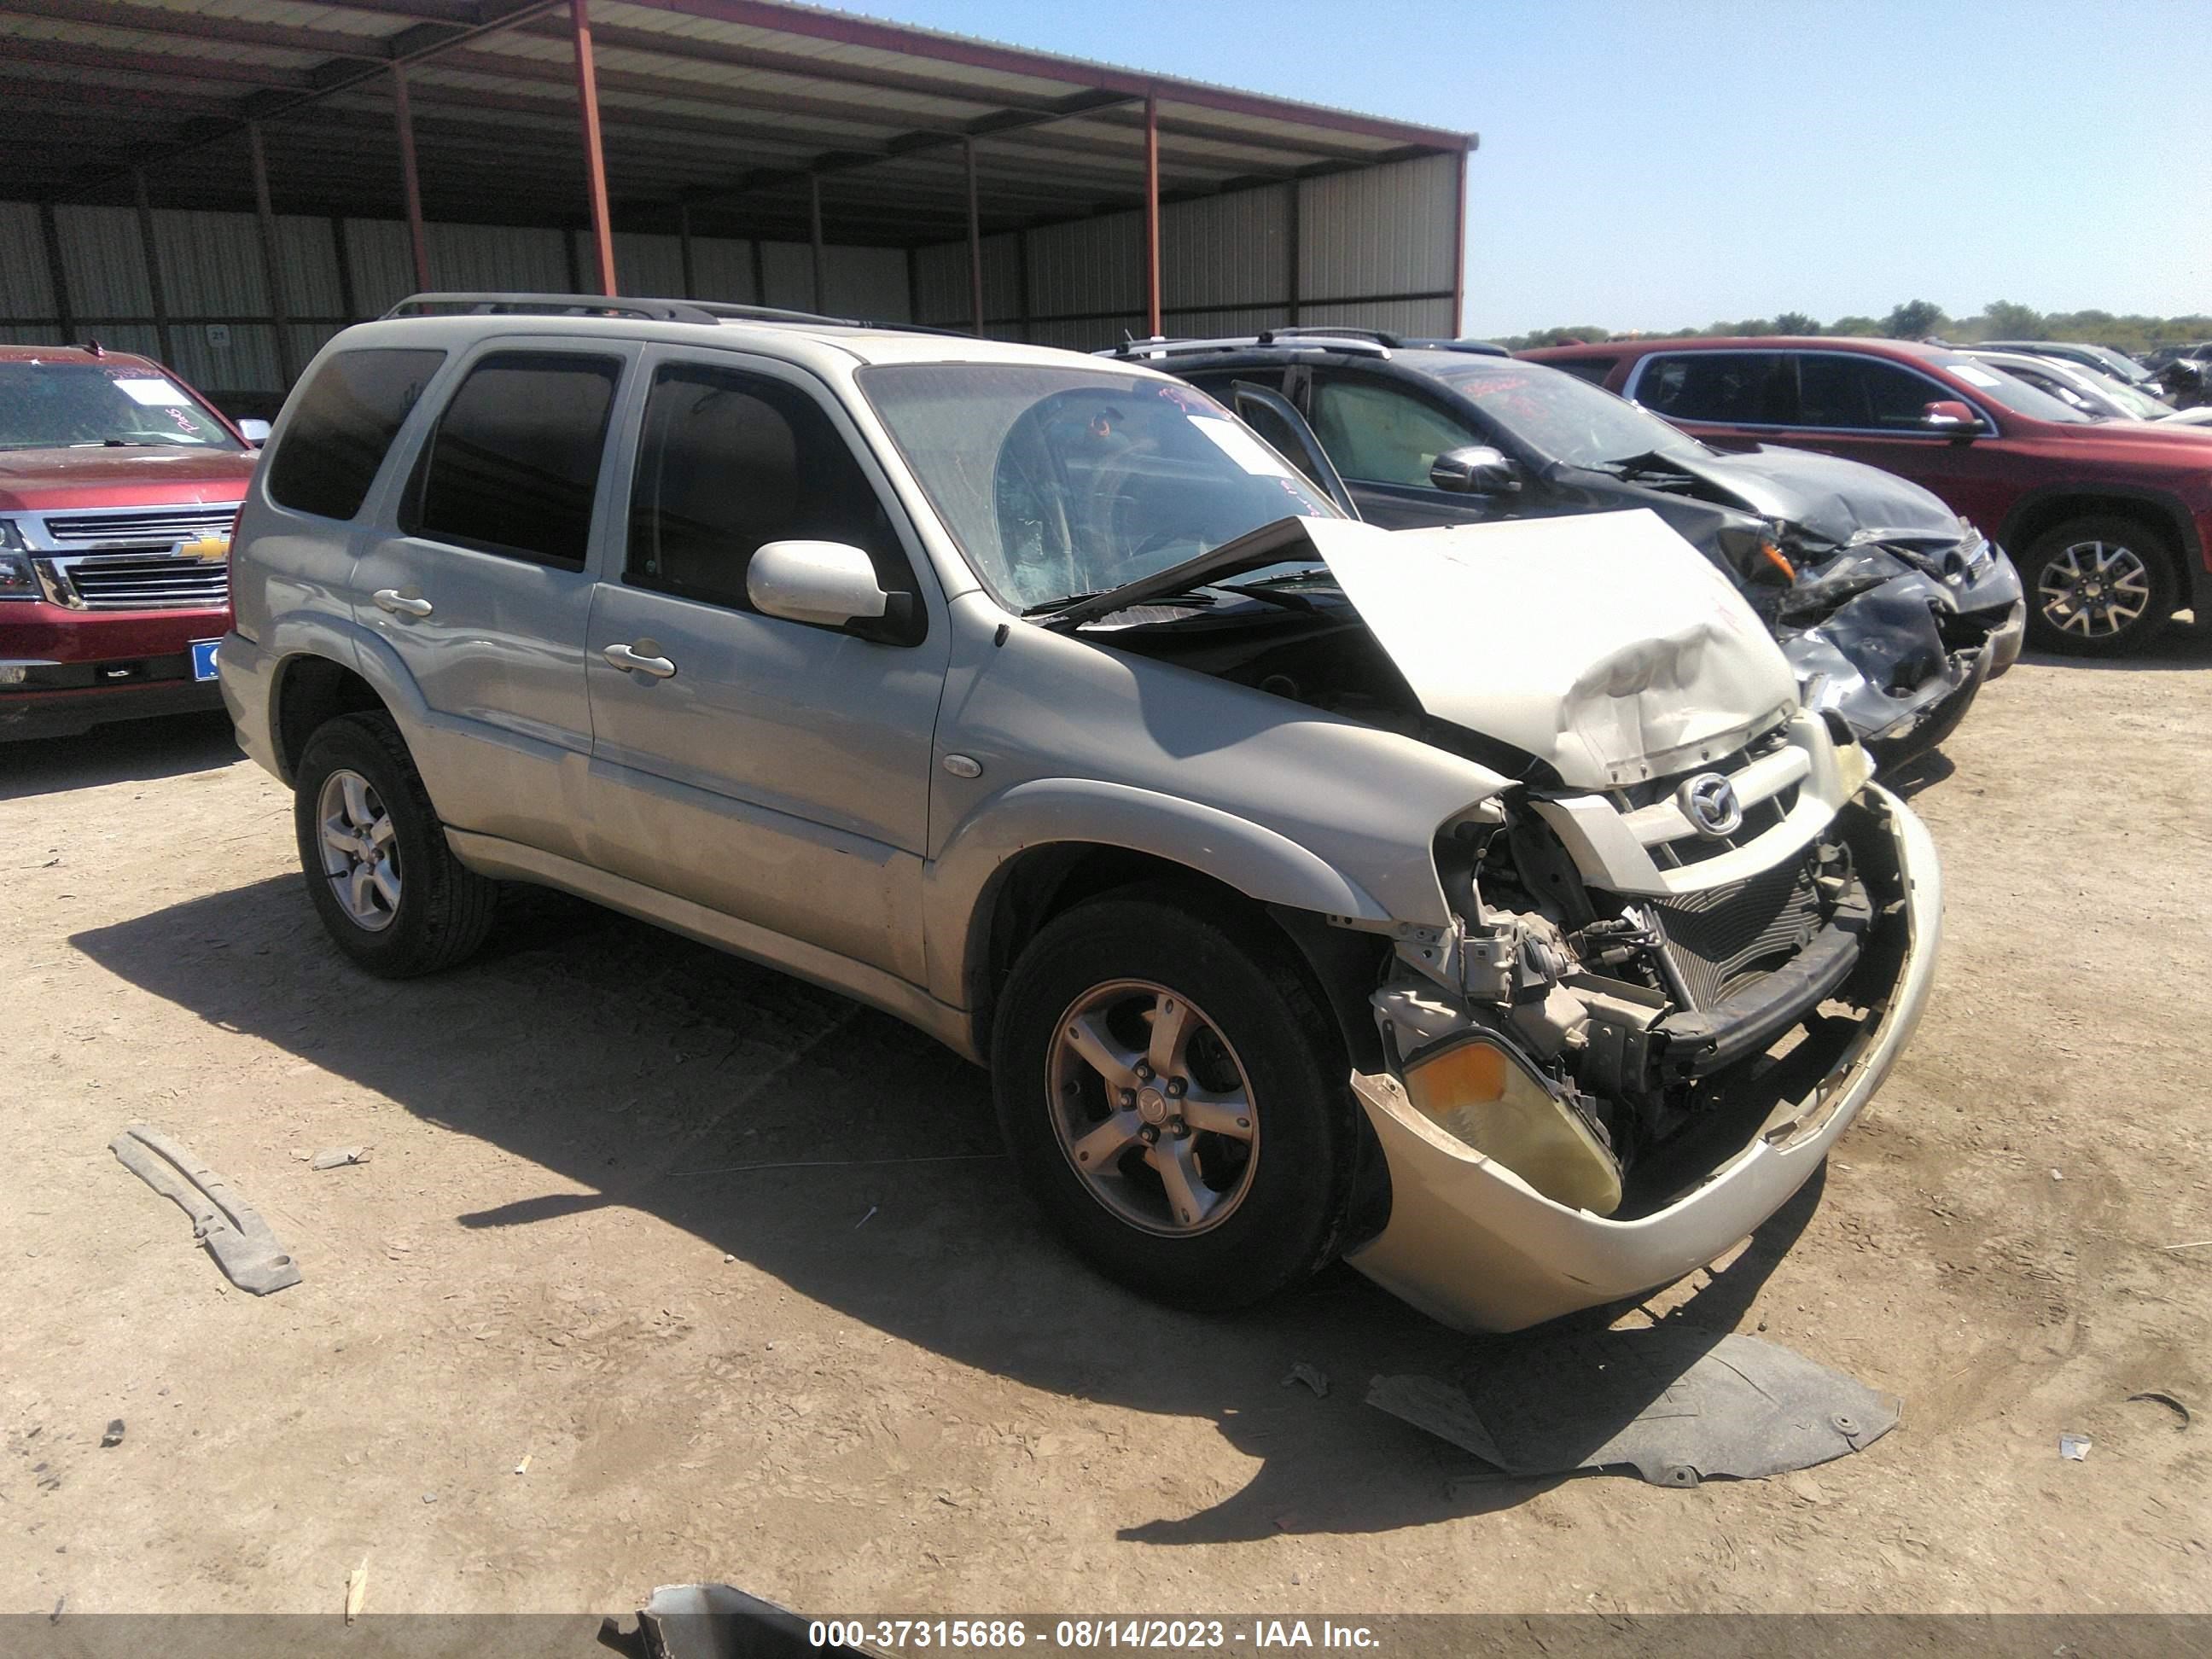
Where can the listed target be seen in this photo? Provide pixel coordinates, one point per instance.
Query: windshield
(2016, 395)
(1059, 481)
(96, 405)
(1564, 417)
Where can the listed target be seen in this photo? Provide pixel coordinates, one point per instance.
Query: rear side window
(1863, 394)
(729, 461)
(514, 466)
(1746, 388)
(343, 422)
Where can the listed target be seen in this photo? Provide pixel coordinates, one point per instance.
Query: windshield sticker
(155, 394)
(1241, 447)
(1980, 377)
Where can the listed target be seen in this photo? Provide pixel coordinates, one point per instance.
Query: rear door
(483, 594)
(1734, 400)
(1872, 410)
(771, 770)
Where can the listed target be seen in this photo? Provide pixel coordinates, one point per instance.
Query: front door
(484, 593)
(1384, 438)
(773, 771)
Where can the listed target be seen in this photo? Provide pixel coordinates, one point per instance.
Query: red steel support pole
(1459, 249)
(975, 246)
(411, 183)
(595, 160)
(1152, 212)
(814, 236)
(153, 266)
(272, 258)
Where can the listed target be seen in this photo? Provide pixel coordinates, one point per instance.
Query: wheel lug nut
(1181, 1129)
(1177, 1088)
(1143, 1073)
(1149, 1135)
(1128, 1098)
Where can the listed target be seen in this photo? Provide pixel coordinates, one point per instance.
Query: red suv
(118, 484)
(2108, 521)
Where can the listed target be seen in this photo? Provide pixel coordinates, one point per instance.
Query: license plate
(203, 659)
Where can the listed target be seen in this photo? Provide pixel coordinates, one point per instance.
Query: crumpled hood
(1603, 644)
(1825, 496)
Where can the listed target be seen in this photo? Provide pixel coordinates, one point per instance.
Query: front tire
(2099, 587)
(388, 887)
(1176, 1099)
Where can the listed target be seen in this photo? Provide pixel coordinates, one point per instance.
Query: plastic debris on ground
(2074, 1447)
(1676, 1406)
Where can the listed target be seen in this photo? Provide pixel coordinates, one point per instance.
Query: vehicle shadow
(766, 1118)
(128, 751)
(2184, 644)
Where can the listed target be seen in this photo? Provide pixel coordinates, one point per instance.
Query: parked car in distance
(1437, 899)
(118, 486)
(2111, 523)
(2098, 396)
(2102, 360)
(1883, 598)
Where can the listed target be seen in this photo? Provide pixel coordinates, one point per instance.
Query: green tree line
(2000, 320)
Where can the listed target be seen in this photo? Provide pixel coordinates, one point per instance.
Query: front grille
(1721, 940)
(142, 527)
(147, 581)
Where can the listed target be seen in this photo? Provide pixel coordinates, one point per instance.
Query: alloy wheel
(2095, 589)
(1153, 1108)
(360, 849)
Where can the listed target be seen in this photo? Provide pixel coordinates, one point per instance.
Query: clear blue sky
(1652, 164)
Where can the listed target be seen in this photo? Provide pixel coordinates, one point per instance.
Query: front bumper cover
(1471, 1245)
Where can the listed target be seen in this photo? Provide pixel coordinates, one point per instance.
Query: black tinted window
(514, 463)
(342, 422)
(1863, 394)
(1749, 388)
(729, 462)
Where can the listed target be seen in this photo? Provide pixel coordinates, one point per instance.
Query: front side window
(1729, 388)
(1378, 433)
(729, 461)
(2008, 392)
(1060, 481)
(514, 465)
(102, 406)
(343, 421)
(1863, 394)
(1561, 418)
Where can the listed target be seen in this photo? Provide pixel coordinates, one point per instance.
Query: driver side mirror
(829, 584)
(1475, 470)
(256, 433)
(1949, 414)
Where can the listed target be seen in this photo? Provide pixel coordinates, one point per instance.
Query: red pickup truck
(118, 484)
(2110, 522)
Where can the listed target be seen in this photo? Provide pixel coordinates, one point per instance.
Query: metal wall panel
(1091, 265)
(868, 283)
(381, 265)
(103, 262)
(26, 290)
(507, 258)
(649, 267)
(941, 274)
(722, 269)
(1384, 230)
(1232, 250)
(211, 264)
(1416, 319)
(306, 266)
(226, 357)
(789, 269)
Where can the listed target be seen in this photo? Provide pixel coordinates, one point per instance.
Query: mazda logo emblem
(1709, 801)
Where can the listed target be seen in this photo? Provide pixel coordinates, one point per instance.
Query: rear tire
(2099, 587)
(1216, 1177)
(388, 887)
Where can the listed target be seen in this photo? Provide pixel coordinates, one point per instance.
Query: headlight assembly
(1485, 1097)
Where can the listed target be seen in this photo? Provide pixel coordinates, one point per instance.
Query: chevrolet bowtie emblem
(208, 550)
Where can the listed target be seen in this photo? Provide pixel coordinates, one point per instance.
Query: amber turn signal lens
(1486, 1099)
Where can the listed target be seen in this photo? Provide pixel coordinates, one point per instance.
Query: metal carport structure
(226, 182)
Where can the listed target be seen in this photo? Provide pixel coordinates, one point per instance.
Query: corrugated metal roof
(723, 108)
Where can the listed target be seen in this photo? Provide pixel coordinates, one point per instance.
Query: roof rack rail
(1382, 338)
(654, 310)
(1351, 342)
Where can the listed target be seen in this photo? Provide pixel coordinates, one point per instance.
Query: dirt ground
(733, 1267)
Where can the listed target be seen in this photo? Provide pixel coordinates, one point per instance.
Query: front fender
(1258, 862)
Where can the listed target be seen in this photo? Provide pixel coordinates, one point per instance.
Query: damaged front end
(1655, 1010)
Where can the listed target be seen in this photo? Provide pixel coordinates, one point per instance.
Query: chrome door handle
(641, 660)
(401, 604)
